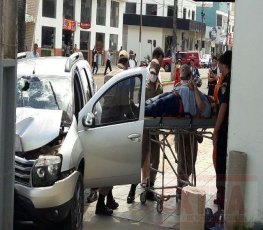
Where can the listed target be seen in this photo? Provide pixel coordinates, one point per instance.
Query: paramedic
(153, 88)
(111, 113)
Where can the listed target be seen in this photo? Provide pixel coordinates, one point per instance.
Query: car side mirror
(89, 120)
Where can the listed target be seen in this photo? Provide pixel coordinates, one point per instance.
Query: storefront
(88, 24)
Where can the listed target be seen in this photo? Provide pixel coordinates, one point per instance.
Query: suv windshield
(44, 92)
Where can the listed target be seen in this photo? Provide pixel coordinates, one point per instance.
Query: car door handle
(135, 137)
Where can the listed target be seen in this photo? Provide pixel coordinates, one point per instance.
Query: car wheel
(74, 219)
(167, 68)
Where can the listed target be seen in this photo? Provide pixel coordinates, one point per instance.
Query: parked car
(63, 141)
(27, 54)
(49, 157)
(206, 61)
(185, 56)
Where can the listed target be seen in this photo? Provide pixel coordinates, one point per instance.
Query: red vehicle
(185, 56)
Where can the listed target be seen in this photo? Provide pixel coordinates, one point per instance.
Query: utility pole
(227, 27)
(174, 42)
(140, 35)
(8, 52)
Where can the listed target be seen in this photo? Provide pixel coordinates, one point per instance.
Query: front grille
(23, 170)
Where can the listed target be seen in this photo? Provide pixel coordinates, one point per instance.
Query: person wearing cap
(194, 70)
(153, 88)
(196, 104)
(221, 128)
(112, 111)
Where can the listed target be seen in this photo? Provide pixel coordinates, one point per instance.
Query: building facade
(56, 24)
(157, 26)
(219, 18)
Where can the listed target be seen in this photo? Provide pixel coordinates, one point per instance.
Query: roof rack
(72, 59)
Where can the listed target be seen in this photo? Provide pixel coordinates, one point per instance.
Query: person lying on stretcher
(186, 98)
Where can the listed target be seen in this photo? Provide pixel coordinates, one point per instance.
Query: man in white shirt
(132, 62)
(108, 63)
(34, 52)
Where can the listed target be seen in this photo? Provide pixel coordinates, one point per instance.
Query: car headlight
(46, 171)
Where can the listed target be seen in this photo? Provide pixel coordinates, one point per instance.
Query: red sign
(85, 25)
(69, 25)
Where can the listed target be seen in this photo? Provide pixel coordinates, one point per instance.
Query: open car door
(111, 128)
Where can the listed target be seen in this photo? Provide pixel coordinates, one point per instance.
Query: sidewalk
(138, 216)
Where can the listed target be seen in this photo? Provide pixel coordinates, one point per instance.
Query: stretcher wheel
(159, 206)
(143, 197)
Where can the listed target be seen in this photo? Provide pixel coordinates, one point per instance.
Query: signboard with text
(85, 25)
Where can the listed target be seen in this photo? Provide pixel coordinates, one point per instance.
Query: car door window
(78, 94)
(86, 83)
(121, 103)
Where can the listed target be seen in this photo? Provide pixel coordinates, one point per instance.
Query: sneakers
(112, 205)
(103, 210)
(130, 198)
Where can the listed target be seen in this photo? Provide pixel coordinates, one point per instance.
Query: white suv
(49, 161)
(68, 139)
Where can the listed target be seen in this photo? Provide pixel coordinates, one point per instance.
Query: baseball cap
(123, 54)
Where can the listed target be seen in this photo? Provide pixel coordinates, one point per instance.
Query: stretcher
(162, 128)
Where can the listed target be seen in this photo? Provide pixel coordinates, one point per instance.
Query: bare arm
(199, 102)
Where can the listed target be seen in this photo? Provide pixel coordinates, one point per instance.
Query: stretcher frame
(162, 127)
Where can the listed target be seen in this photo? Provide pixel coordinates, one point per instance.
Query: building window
(193, 15)
(113, 47)
(84, 45)
(189, 14)
(151, 9)
(68, 9)
(130, 8)
(86, 10)
(114, 19)
(100, 40)
(219, 19)
(184, 13)
(101, 12)
(48, 40)
(49, 8)
(170, 11)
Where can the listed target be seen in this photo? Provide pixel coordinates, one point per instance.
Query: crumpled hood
(37, 127)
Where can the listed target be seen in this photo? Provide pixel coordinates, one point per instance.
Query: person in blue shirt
(197, 105)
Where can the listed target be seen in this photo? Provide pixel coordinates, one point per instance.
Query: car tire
(167, 68)
(74, 220)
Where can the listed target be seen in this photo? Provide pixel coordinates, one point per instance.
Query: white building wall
(148, 33)
(246, 110)
(58, 22)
